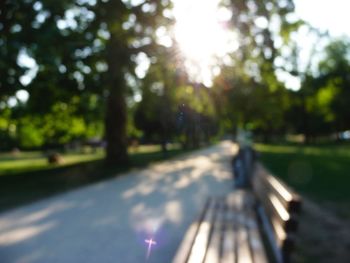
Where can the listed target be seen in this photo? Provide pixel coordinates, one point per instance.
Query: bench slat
(243, 249)
(214, 248)
(229, 241)
(255, 241)
(275, 208)
(278, 210)
(200, 244)
(277, 224)
(228, 230)
(276, 249)
(184, 250)
(290, 200)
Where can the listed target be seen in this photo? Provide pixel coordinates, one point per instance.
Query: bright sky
(326, 15)
(332, 15)
(201, 35)
(200, 32)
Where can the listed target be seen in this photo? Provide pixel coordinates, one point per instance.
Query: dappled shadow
(25, 187)
(109, 221)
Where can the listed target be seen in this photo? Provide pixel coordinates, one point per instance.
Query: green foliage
(132, 131)
(58, 124)
(61, 124)
(30, 134)
(4, 118)
(196, 98)
(86, 53)
(325, 98)
(248, 93)
(322, 102)
(335, 79)
(7, 129)
(82, 49)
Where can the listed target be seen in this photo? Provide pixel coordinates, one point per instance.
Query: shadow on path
(109, 221)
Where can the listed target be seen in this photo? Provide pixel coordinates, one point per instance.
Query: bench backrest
(278, 209)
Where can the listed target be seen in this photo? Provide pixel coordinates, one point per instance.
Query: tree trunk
(116, 109)
(305, 121)
(115, 128)
(165, 119)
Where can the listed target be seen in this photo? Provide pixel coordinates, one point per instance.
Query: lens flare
(150, 243)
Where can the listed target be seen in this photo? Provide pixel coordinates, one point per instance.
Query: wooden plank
(284, 239)
(276, 250)
(280, 245)
(243, 250)
(229, 250)
(183, 252)
(275, 208)
(273, 204)
(276, 226)
(229, 240)
(214, 248)
(185, 247)
(290, 200)
(255, 241)
(280, 214)
(285, 194)
(278, 210)
(201, 241)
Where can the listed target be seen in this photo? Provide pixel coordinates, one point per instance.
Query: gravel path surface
(109, 221)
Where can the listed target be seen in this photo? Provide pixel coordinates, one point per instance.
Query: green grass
(321, 172)
(27, 176)
(34, 161)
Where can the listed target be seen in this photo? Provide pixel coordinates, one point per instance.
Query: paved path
(109, 221)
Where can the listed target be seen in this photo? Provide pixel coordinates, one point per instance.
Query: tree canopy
(74, 70)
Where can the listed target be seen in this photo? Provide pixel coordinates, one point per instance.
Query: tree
(129, 30)
(15, 28)
(248, 91)
(81, 48)
(332, 93)
(320, 108)
(155, 114)
(195, 114)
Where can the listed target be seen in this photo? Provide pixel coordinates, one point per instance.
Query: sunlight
(201, 30)
(23, 233)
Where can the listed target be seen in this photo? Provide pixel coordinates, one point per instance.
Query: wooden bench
(229, 228)
(277, 210)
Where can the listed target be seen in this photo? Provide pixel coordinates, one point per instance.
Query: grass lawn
(34, 161)
(320, 172)
(27, 176)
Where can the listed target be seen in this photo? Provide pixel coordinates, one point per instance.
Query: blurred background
(89, 88)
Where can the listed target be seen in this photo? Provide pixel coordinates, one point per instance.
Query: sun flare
(203, 36)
